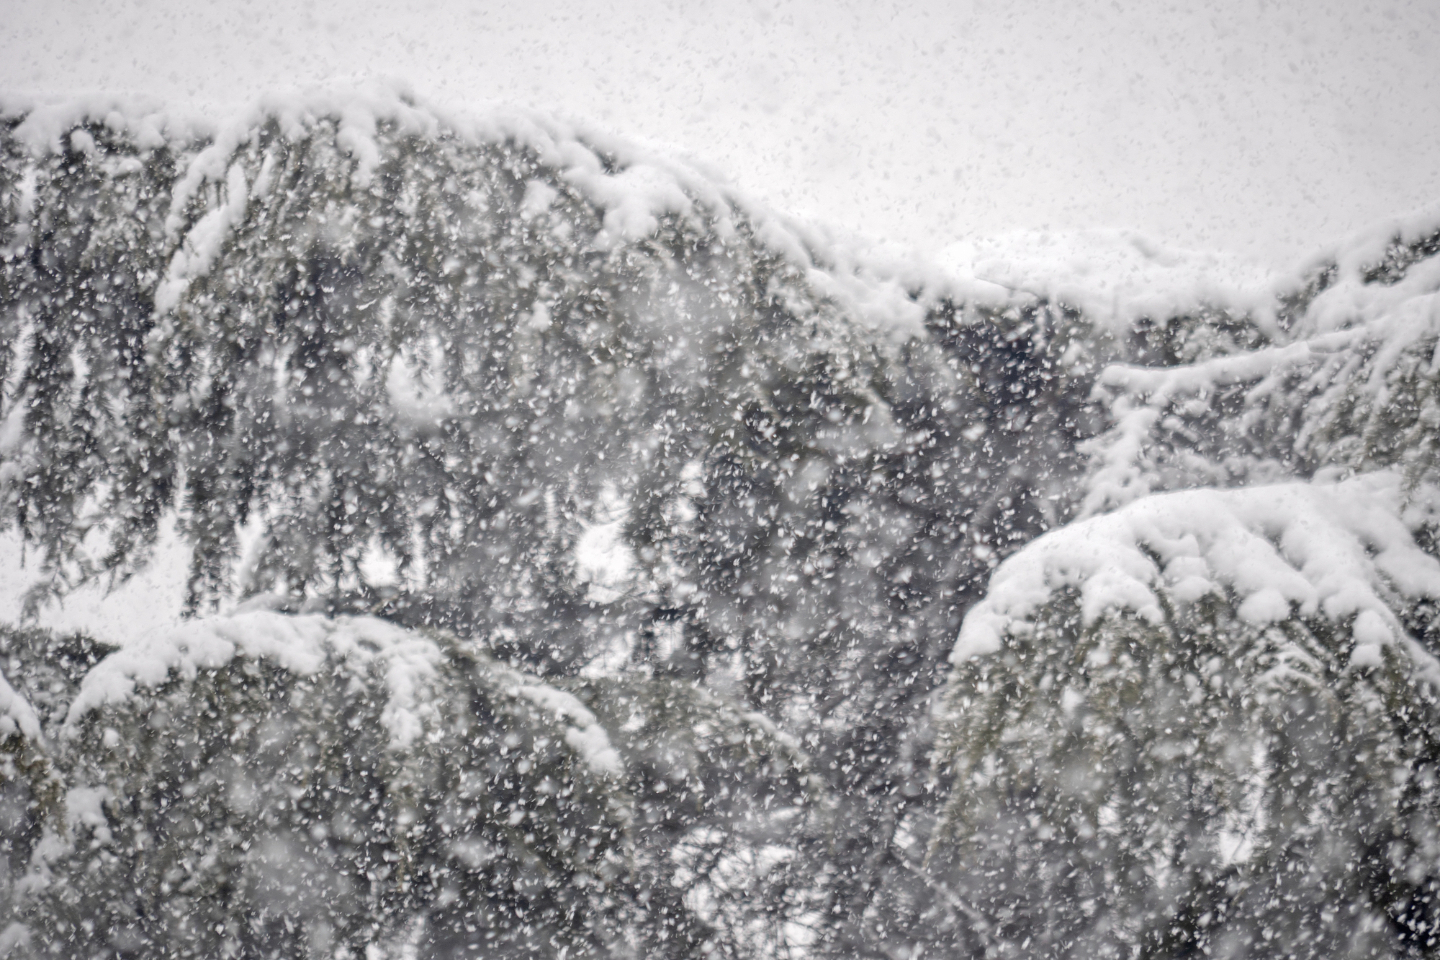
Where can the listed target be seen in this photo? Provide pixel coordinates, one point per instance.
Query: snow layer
(1139, 398)
(1115, 277)
(408, 662)
(632, 187)
(146, 122)
(1380, 272)
(1119, 277)
(300, 644)
(1360, 357)
(584, 735)
(1354, 255)
(16, 714)
(1334, 551)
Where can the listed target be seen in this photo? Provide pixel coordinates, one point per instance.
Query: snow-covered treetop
(1117, 278)
(633, 188)
(1350, 386)
(1340, 552)
(1226, 662)
(1341, 384)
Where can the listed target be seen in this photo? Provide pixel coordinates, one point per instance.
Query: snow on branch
(1356, 390)
(300, 644)
(16, 714)
(1342, 553)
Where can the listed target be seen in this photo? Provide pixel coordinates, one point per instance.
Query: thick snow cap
(1334, 551)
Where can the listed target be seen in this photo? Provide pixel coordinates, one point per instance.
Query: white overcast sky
(1262, 128)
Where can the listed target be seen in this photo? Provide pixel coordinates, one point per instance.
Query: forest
(587, 562)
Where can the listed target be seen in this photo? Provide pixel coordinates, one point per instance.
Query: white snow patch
(144, 122)
(300, 644)
(603, 560)
(1115, 277)
(112, 610)
(16, 714)
(419, 402)
(585, 736)
(1317, 550)
(539, 319)
(538, 198)
(85, 807)
(204, 241)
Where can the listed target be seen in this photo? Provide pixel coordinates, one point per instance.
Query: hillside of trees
(587, 562)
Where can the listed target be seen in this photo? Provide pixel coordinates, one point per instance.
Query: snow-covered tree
(670, 511)
(412, 362)
(1207, 720)
(1202, 722)
(268, 785)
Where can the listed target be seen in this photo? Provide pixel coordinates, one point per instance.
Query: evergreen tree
(447, 352)
(368, 359)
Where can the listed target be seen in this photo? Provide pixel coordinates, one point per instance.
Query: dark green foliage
(77, 288)
(255, 810)
(1196, 786)
(724, 807)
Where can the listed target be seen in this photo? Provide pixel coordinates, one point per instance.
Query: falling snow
(570, 557)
